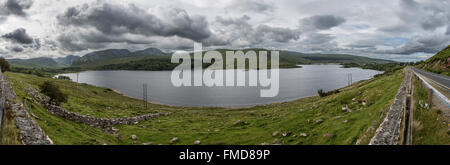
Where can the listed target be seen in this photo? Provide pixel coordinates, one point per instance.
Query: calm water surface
(294, 84)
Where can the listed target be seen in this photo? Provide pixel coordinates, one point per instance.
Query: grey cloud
(240, 29)
(425, 44)
(321, 22)
(429, 15)
(113, 19)
(448, 30)
(15, 7)
(17, 49)
(19, 36)
(257, 6)
(277, 34)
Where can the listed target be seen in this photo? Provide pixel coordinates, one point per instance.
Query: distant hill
(439, 63)
(155, 59)
(98, 59)
(68, 60)
(41, 62)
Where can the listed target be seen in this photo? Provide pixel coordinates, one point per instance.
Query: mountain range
(155, 59)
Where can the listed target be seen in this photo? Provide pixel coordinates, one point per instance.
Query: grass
(314, 116)
(428, 125)
(9, 133)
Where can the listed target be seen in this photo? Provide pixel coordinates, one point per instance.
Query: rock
(265, 143)
(346, 109)
(319, 121)
(285, 134)
(134, 137)
(364, 103)
(337, 117)
(174, 140)
(119, 137)
(303, 134)
(240, 122)
(197, 142)
(345, 121)
(328, 135)
(275, 133)
(146, 144)
(276, 142)
(114, 129)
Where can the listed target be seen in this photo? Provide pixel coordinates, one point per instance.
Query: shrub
(53, 91)
(324, 94)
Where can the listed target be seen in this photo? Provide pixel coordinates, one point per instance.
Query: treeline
(387, 67)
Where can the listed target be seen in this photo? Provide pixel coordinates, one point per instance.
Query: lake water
(294, 84)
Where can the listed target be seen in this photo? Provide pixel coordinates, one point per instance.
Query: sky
(401, 30)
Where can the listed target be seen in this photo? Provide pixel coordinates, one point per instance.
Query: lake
(294, 84)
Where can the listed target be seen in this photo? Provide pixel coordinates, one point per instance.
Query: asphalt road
(442, 80)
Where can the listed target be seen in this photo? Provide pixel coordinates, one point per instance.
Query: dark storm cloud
(322, 22)
(19, 36)
(15, 7)
(112, 19)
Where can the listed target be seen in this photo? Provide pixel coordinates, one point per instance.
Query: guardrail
(436, 92)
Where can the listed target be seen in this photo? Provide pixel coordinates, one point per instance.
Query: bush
(63, 78)
(53, 91)
(324, 94)
(4, 65)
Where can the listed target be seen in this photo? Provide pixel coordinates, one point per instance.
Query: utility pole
(144, 94)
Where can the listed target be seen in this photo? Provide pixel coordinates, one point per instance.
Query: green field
(321, 119)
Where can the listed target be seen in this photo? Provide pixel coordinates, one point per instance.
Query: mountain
(98, 59)
(439, 63)
(288, 59)
(68, 60)
(41, 62)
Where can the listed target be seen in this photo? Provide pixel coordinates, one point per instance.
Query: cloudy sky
(403, 30)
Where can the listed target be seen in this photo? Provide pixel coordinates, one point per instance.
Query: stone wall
(105, 123)
(389, 131)
(30, 132)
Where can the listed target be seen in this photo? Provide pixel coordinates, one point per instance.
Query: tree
(4, 65)
(51, 90)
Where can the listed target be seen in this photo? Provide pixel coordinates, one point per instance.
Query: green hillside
(439, 63)
(41, 62)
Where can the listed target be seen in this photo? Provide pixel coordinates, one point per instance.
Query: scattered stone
(303, 134)
(364, 103)
(337, 117)
(240, 122)
(276, 142)
(119, 137)
(328, 135)
(275, 133)
(285, 134)
(114, 129)
(197, 142)
(146, 144)
(346, 109)
(319, 121)
(265, 143)
(345, 121)
(174, 140)
(134, 137)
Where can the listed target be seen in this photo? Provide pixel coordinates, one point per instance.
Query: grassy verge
(321, 119)
(428, 126)
(9, 133)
